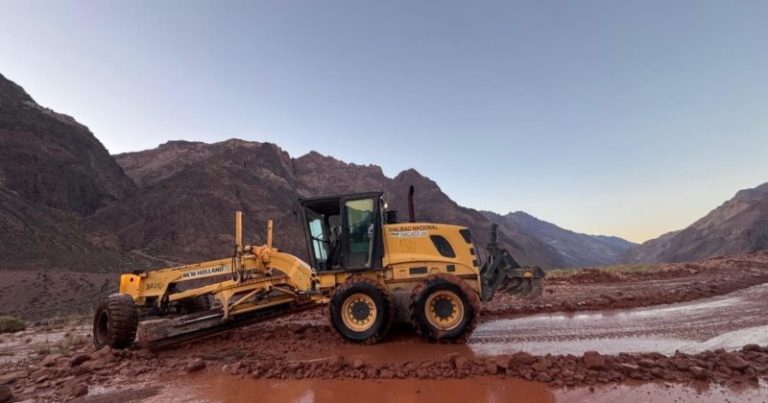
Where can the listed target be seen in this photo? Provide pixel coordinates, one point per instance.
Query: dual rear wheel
(441, 308)
(444, 308)
(362, 310)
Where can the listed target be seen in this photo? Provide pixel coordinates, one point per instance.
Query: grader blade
(160, 333)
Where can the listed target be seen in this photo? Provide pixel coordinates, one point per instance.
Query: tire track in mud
(690, 327)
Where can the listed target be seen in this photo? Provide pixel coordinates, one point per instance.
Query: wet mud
(730, 322)
(479, 389)
(596, 289)
(701, 341)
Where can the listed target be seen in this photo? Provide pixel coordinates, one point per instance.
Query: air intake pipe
(411, 211)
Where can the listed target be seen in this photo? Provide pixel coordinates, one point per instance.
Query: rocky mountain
(189, 191)
(576, 249)
(739, 225)
(53, 171)
(50, 158)
(66, 203)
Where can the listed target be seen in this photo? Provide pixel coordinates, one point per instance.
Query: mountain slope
(739, 225)
(576, 249)
(52, 172)
(50, 158)
(33, 235)
(189, 191)
(185, 210)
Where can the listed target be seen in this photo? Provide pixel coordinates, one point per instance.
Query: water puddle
(223, 388)
(728, 321)
(15, 347)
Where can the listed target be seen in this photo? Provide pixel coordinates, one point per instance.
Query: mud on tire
(444, 308)
(361, 310)
(115, 322)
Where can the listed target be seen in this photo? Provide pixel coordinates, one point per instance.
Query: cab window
(319, 241)
(360, 232)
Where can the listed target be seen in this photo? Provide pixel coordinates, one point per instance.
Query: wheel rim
(102, 327)
(444, 310)
(358, 312)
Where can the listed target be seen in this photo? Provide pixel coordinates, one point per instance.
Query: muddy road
(685, 332)
(729, 321)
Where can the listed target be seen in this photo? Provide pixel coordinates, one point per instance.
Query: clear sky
(610, 117)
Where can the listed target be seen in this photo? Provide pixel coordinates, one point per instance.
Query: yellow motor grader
(369, 268)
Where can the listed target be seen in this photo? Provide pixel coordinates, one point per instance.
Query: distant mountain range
(65, 203)
(575, 249)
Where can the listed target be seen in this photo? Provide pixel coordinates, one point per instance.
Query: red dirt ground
(303, 346)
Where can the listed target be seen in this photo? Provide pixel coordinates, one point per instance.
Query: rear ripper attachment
(501, 272)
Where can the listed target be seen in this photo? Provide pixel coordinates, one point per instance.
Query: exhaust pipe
(411, 212)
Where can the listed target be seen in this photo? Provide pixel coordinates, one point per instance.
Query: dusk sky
(604, 117)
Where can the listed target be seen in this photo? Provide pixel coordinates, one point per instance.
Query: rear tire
(444, 308)
(115, 322)
(361, 310)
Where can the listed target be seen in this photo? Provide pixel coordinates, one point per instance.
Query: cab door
(361, 232)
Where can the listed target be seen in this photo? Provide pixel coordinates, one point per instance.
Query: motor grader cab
(368, 268)
(344, 232)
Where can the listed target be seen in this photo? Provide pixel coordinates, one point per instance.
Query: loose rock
(78, 390)
(523, 358)
(593, 360)
(734, 361)
(5, 394)
(79, 359)
(195, 365)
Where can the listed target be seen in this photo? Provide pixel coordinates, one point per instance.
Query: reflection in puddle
(232, 389)
(223, 388)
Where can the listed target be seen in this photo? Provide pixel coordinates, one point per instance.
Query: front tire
(115, 322)
(361, 310)
(444, 308)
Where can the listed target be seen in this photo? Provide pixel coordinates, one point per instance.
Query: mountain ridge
(738, 225)
(576, 249)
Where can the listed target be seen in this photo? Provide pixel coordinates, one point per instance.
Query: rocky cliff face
(185, 209)
(737, 226)
(53, 171)
(575, 250)
(50, 158)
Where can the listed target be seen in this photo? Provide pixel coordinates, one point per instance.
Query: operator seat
(334, 243)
